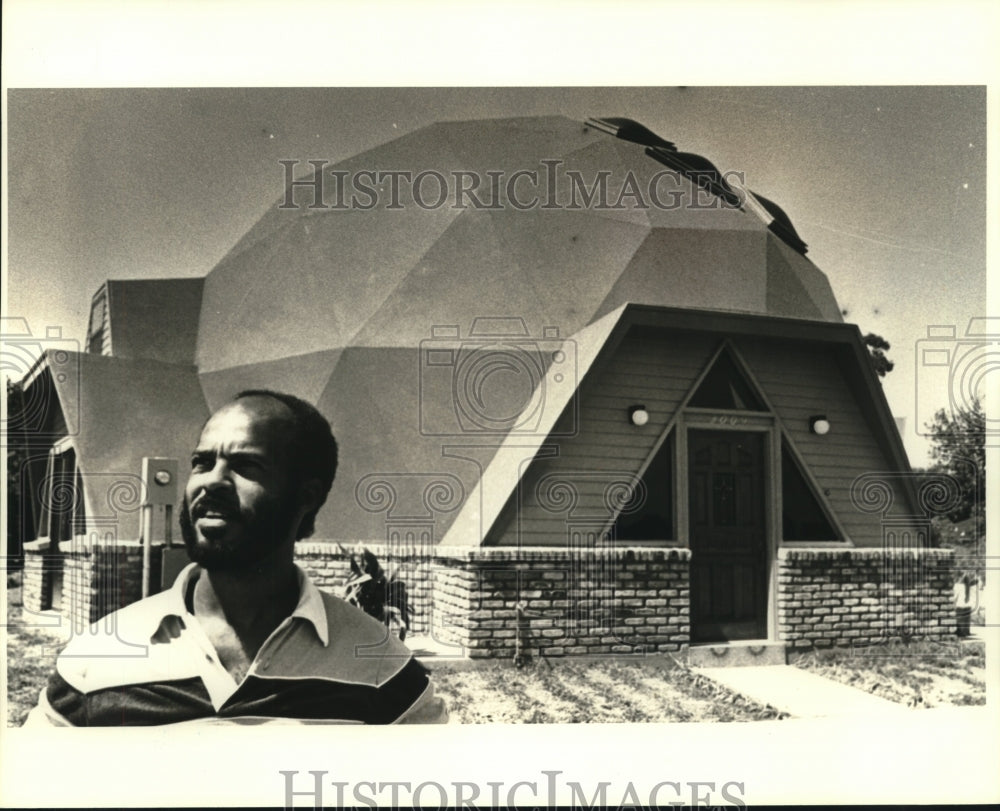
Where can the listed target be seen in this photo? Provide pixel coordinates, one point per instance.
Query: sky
(887, 185)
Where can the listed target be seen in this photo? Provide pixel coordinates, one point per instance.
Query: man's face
(239, 503)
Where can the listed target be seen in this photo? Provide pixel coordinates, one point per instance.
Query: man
(243, 635)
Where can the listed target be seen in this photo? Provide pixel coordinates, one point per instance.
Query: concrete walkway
(799, 693)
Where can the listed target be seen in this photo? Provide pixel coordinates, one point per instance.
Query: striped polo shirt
(151, 663)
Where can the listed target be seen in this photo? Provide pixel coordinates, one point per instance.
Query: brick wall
(625, 600)
(96, 578)
(100, 579)
(864, 596)
(36, 582)
(329, 568)
(501, 601)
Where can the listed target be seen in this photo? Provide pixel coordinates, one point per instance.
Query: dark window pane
(725, 387)
(65, 495)
(651, 518)
(802, 517)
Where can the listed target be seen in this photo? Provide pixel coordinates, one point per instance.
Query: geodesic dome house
(591, 396)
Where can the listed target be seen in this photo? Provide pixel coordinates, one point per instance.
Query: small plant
(378, 593)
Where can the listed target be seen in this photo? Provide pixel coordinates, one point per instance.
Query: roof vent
(780, 223)
(699, 170)
(629, 130)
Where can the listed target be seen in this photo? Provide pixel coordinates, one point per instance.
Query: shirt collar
(310, 606)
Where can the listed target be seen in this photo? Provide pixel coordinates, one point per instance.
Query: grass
(30, 659)
(919, 674)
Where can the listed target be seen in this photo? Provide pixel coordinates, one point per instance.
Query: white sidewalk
(799, 693)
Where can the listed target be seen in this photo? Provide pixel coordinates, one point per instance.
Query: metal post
(147, 541)
(159, 476)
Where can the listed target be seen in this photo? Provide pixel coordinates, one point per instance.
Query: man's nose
(218, 477)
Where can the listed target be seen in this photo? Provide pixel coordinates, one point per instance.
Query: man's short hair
(312, 448)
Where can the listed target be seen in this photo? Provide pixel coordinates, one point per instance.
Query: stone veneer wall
(96, 578)
(863, 596)
(328, 564)
(36, 579)
(624, 600)
(593, 602)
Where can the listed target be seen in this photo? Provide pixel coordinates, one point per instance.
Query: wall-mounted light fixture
(638, 415)
(819, 424)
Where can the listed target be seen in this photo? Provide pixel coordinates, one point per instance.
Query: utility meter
(160, 477)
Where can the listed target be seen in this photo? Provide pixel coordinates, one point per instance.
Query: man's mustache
(203, 505)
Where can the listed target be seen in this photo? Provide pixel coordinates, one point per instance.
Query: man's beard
(261, 532)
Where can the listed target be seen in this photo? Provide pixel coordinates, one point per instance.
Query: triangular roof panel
(500, 478)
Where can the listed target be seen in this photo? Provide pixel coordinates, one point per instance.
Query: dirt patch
(593, 691)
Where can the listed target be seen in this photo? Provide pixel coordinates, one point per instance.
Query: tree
(877, 347)
(959, 450)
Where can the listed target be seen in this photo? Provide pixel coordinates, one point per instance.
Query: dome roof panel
(384, 276)
(723, 270)
(512, 143)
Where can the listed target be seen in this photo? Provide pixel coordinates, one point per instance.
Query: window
(97, 330)
(725, 387)
(63, 509)
(649, 515)
(802, 519)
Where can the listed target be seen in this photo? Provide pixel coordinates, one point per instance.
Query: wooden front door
(727, 532)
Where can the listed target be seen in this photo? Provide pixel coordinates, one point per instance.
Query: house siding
(801, 381)
(546, 583)
(655, 369)
(569, 492)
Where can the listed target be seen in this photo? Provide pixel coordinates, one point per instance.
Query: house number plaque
(729, 419)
